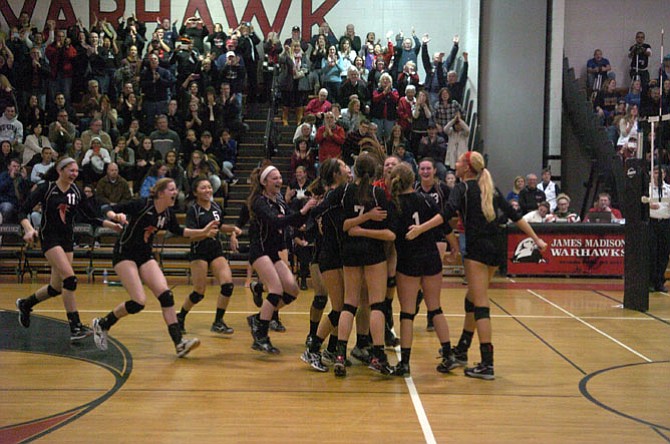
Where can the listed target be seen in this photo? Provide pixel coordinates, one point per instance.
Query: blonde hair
(161, 185)
(475, 162)
(402, 178)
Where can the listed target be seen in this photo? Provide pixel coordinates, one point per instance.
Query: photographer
(639, 55)
(195, 29)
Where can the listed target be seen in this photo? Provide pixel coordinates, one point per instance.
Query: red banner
(586, 254)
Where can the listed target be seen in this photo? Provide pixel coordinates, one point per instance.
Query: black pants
(659, 244)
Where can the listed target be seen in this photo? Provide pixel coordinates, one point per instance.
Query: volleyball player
(364, 260)
(135, 264)
(60, 199)
(430, 185)
(479, 203)
(419, 266)
(208, 253)
(269, 217)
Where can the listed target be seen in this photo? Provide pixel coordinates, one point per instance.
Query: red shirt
(330, 146)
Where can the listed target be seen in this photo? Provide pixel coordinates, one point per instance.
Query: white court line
(592, 327)
(418, 406)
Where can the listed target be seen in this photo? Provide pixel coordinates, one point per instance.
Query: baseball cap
(295, 28)
(230, 53)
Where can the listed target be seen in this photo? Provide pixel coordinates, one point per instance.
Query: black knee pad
(469, 306)
(379, 306)
(166, 299)
(433, 313)
(334, 317)
(409, 316)
(70, 283)
(482, 313)
(52, 292)
(320, 302)
(390, 282)
(273, 298)
(350, 308)
(288, 298)
(133, 307)
(196, 297)
(227, 289)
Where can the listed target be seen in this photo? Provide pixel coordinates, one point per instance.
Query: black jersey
(439, 193)
(353, 207)
(415, 209)
(329, 219)
(269, 220)
(466, 198)
(58, 211)
(196, 218)
(143, 223)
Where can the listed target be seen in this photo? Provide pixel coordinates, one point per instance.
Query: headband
(267, 171)
(65, 162)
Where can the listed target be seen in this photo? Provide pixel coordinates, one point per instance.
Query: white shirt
(664, 211)
(549, 192)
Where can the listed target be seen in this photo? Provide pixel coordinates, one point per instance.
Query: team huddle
(374, 231)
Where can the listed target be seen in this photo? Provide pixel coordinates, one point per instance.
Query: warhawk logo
(148, 232)
(62, 210)
(526, 251)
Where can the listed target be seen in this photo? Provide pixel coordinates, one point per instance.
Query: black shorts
(208, 255)
(256, 253)
(139, 258)
(489, 250)
(425, 265)
(329, 261)
(353, 256)
(48, 244)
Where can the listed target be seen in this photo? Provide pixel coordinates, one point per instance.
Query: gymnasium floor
(571, 366)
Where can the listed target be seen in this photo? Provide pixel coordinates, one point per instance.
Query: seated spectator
(396, 139)
(434, 146)
(605, 102)
(199, 166)
(628, 125)
(303, 155)
(95, 162)
(95, 131)
(76, 150)
(307, 131)
(158, 171)
(407, 156)
(597, 70)
(7, 154)
(35, 142)
(40, 169)
(634, 96)
(14, 188)
(62, 132)
(178, 174)
(228, 150)
(539, 215)
(113, 189)
(32, 114)
(530, 197)
(11, 128)
(124, 157)
(563, 212)
(451, 180)
(109, 117)
(352, 115)
(318, 106)
(134, 135)
(145, 157)
(603, 204)
(519, 184)
(550, 188)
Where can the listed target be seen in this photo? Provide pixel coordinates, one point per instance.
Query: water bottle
(104, 277)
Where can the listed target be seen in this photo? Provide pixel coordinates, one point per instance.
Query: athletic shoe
(380, 366)
(254, 325)
(186, 346)
(79, 332)
(181, 320)
(24, 313)
(221, 327)
(460, 357)
(361, 354)
(390, 339)
(401, 369)
(234, 181)
(303, 284)
(481, 371)
(99, 335)
(276, 325)
(448, 364)
(257, 293)
(340, 367)
(264, 345)
(314, 360)
(429, 324)
(329, 358)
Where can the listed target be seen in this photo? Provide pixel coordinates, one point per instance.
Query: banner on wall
(590, 254)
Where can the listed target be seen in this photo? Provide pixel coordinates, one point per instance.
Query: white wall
(611, 26)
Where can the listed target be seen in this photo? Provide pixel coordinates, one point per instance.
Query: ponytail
(487, 188)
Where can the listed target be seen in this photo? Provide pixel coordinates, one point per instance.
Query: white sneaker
(99, 335)
(186, 345)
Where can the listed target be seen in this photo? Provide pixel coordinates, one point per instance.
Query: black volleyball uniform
(136, 240)
(360, 251)
(484, 241)
(58, 214)
(196, 218)
(420, 256)
(269, 220)
(439, 192)
(328, 215)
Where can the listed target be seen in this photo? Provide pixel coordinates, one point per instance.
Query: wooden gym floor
(571, 366)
